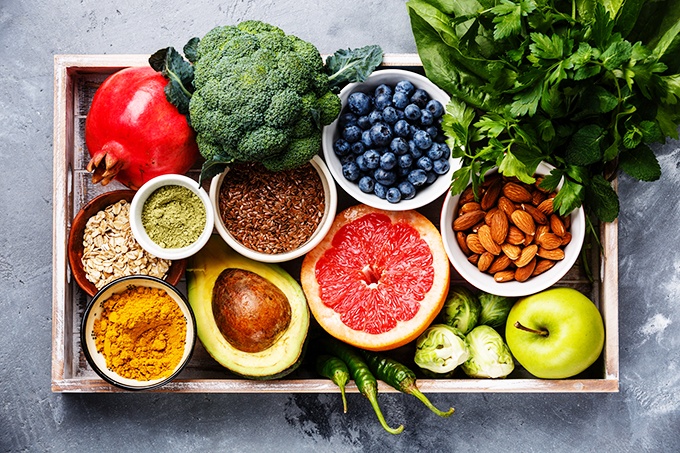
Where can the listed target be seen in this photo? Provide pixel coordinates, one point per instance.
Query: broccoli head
(259, 96)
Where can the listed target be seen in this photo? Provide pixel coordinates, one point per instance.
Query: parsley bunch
(584, 85)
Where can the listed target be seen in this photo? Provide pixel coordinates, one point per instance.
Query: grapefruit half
(378, 279)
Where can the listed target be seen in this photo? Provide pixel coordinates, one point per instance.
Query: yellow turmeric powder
(141, 333)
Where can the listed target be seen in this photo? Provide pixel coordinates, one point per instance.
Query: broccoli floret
(260, 96)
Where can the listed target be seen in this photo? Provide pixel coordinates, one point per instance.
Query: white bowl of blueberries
(386, 149)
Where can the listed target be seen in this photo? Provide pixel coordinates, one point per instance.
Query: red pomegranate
(133, 133)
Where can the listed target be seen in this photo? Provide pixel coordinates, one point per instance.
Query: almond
(469, 207)
(511, 251)
(504, 276)
(523, 221)
(546, 206)
(566, 239)
(501, 263)
(528, 239)
(538, 182)
(460, 238)
(555, 255)
(491, 195)
(540, 231)
(472, 241)
(516, 193)
(523, 273)
(499, 226)
(466, 195)
(537, 197)
(557, 226)
(484, 262)
(515, 235)
(467, 220)
(485, 238)
(542, 266)
(474, 258)
(489, 214)
(505, 205)
(528, 254)
(537, 215)
(549, 241)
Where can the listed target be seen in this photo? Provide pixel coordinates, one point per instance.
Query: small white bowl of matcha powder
(171, 217)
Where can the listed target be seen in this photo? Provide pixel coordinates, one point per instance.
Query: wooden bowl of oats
(101, 247)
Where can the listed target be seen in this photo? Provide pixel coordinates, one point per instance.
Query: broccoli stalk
(254, 94)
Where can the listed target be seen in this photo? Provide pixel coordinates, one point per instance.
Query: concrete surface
(643, 416)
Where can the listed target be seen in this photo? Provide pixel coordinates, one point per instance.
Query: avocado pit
(250, 311)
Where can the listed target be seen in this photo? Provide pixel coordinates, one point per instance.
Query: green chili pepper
(400, 377)
(363, 378)
(336, 370)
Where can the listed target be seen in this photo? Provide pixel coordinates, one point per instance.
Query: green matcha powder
(173, 217)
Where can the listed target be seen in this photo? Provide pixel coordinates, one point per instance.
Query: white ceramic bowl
(332, 132)
(331, 204)
(136, 217)
(486, 282)
(94, 311)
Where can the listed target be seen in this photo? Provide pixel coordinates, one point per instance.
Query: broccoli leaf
(352, 65)
(191, 49)
(180, 74)
(213, 167)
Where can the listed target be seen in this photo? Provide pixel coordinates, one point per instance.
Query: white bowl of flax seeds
(270, 216)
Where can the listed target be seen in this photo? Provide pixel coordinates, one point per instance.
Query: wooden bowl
(75, 240)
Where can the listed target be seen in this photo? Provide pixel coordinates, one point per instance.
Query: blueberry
(379, 190)
(424, 163)
(347, 119)
(372, 159)
(382, 89)
(420, 98)
(446, 151)
(441, 166)
(366, 184)
(341, 147)
(351, 171)
(432, 131)
(366, 139)
(357, 148)
(375, 117)
(426, 118)
(407, 190)
(431, 177)
(405, 161)
(352, 134)
(382, 101)
(385, 177)
(381, 134)
(363, 122)
(403, 172)
(400, 114)
(404, 86)
(359, 103)
(393, 195)
(412, 112)
(361, 162)
(399, 146)
(413, 150)
(413, 129)
(422, 139)
(346, 159)
(435, 152)
(417, 177)
(402, 128)
(388, 161)
(389, 115)
(400, 100)
(435, 108)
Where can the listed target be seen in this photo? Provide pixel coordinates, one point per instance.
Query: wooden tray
(76, 79)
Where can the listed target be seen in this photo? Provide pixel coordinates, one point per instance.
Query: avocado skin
(286, 354)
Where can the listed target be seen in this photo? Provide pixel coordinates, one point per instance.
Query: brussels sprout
(461, 309)
(495, 309)
(489, 355)
(440, 349)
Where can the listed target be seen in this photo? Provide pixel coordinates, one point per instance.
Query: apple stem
(543, 333)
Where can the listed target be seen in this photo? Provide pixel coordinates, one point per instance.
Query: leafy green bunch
(583, 85)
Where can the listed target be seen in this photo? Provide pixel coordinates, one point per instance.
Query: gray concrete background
(643, 416)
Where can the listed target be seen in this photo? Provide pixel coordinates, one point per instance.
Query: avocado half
(286, 353)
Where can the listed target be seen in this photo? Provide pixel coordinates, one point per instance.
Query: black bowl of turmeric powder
(138, 332)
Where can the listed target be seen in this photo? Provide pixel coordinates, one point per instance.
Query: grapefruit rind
(405, 331)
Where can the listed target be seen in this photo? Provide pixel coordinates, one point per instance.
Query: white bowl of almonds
(274, 217)
(101, 247)
(509, 241)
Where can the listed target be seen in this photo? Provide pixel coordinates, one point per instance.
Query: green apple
(555, 334)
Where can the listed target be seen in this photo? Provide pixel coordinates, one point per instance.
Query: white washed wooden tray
(76, 78)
